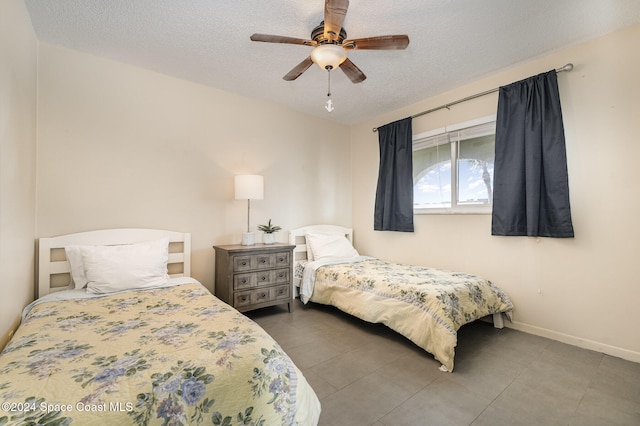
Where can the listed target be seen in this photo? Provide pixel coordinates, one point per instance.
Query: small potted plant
(269, 231)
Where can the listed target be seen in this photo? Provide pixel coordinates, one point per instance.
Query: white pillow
(310, 256)
(329, 245)
(74, 257)
(115, 268)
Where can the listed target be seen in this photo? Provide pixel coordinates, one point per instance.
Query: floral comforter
(173, 355)
(426, 305)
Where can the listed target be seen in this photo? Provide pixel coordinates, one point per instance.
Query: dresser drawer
(244, 281)
(281, 276)
(264, 295)
(282, 259)
(251, 262)
(282, 291)
(244, 263)
(260, 278)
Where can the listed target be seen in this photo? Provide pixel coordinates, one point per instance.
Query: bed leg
(498, 321)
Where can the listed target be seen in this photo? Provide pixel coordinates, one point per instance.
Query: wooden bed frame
(54, 270)
(296, 236)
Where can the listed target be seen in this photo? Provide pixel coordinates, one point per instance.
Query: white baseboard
(627, 354)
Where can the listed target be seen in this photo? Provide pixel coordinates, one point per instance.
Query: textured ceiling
(452, 42)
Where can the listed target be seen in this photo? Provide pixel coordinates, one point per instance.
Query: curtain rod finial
(567, 67)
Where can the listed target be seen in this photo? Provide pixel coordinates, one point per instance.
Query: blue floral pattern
(171, 356)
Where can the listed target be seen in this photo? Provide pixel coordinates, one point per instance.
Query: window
(453, 168)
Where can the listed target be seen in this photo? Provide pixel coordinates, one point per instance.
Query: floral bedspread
(172, 356)
(426, 305)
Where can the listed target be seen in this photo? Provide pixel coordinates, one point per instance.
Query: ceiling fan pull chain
(329, 106)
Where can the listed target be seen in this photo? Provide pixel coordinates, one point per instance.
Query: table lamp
(249, 187)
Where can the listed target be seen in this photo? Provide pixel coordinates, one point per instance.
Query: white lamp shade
(328, 55)
(249, 187)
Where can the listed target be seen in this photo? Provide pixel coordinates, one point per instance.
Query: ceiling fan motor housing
(317, 35)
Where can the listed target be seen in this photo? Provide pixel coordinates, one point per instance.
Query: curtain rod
(567, 67)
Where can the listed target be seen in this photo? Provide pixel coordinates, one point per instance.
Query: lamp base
(248, 238)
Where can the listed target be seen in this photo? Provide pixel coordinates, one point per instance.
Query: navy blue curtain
(394, 194)
(531, 185)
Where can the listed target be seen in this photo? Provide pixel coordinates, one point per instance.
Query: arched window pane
(470, 176)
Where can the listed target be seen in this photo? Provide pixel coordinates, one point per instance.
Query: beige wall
(585, 290)
(18, 52)
(120, 146)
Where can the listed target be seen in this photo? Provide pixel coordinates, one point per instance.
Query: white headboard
(296, 236)
(54, 271)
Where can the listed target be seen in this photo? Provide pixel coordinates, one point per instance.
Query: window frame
(443, 131)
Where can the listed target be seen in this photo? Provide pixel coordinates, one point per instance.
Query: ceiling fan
(330, 44)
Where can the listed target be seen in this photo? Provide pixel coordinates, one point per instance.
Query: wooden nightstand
(251, 277)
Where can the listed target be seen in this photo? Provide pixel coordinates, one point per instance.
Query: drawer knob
(263, 261)
(281, 259)
(281, 291)
(243, 281)
(280, 275)
(263, 295)
(244, 263)
(243, 298)
(263, 278)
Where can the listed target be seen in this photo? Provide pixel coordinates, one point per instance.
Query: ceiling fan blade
(334, 13)
(298, 69)
(378, 43)
(352, 71)
(268, 38)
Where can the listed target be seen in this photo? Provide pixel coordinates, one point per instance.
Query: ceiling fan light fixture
(328, 56)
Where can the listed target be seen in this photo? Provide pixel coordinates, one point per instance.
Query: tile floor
(366, 374)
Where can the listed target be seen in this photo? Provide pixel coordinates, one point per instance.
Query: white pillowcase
(74, 257)
(329, 245)
(310, 256)
(107, 269)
